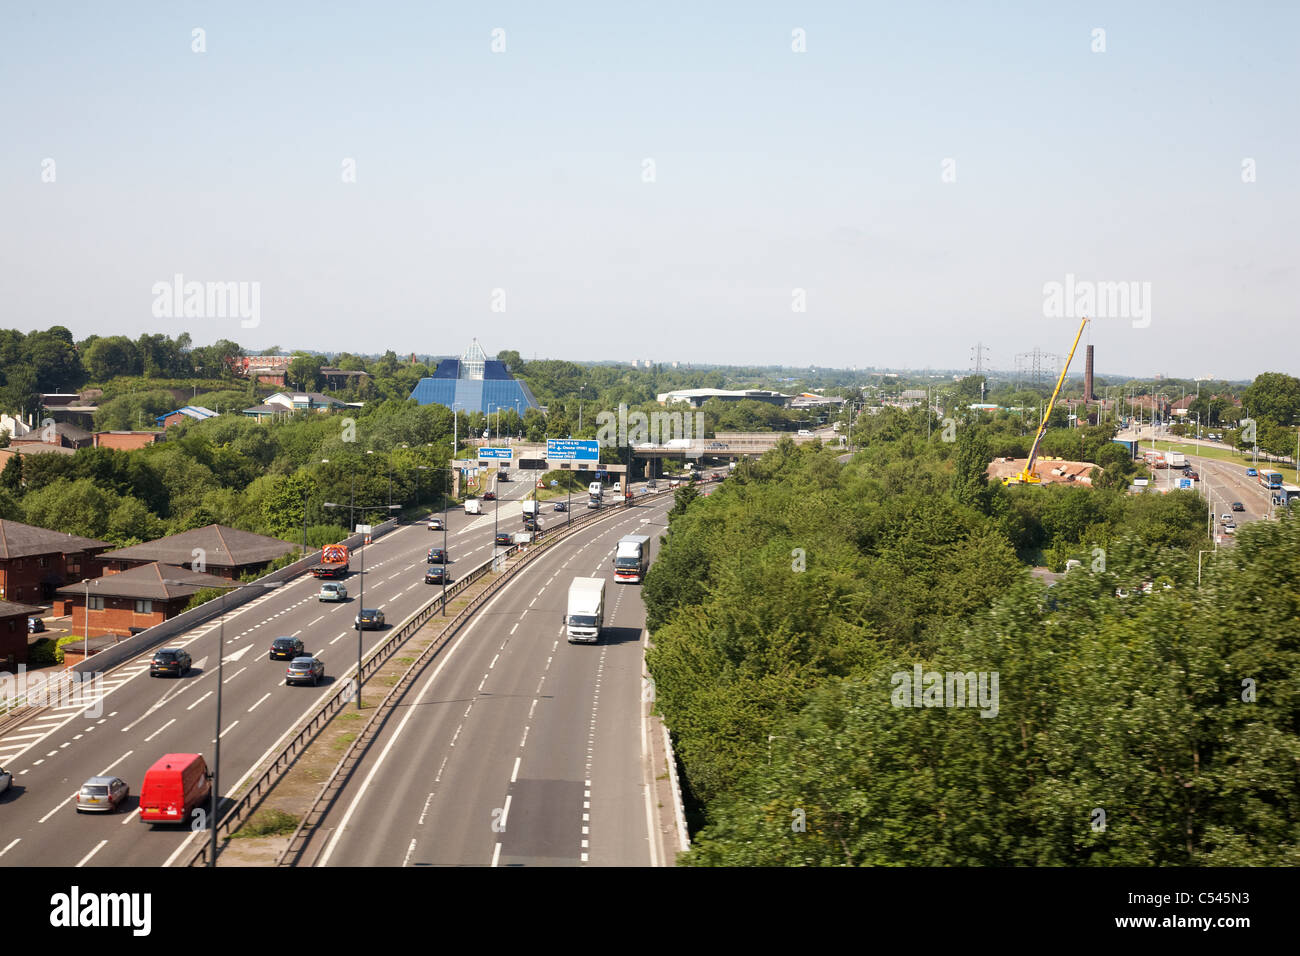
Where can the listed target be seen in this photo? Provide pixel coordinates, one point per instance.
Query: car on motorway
(370, 619)
(435, 524)
(436, 556)
(650, 485)
(503, 476)
(561, 506)
(1250, 473)
(35, 625)
(1195, 476)
(1229, 529)
(1238, 506)
(332, 591)
(437, 574)
(304, 669)
(1226, 519)
(286, 648)
(489, 496)
(170, 660)
(502, 538)
(173, 787)
(6, 778)
(102, 794)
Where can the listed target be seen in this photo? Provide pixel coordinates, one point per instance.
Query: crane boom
(1028, 476)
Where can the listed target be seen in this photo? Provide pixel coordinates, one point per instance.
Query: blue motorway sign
(506, 453)
(1184, 483)
(572, 449)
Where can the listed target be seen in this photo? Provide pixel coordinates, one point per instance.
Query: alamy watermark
(659, 428)
(946, 689)
(38, 690)
(208, 300)
(1073, 299)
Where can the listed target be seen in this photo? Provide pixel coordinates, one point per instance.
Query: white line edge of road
(647, 768)
(479, 615)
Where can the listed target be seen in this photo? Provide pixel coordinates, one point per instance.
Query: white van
(594, 489)
(473, 506)
(805, 433)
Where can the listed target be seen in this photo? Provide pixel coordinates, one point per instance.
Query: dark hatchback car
(371, 619)
(437, 575)
(437, 556)
(561, 506)
(503, 538)
(35, 625)
(304, 670)
(489, 496)
(286, 648)
(1238, 506)
(170, 660)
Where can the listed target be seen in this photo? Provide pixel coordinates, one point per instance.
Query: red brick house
(125, 441)
(13, 634)
(34, 562)
(216, 549)
(138, 598)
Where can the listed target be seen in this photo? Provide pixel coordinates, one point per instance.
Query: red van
(174, 786)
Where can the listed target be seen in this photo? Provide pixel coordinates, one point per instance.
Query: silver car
(6, 778)
(332, 591)
(102, 794)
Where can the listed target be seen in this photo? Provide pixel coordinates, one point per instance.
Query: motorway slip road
(142, 718)
(516, 747)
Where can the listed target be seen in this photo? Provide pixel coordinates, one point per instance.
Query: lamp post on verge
(216, 740)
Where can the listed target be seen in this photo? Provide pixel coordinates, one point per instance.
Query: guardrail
(233, 817)
(61, 686)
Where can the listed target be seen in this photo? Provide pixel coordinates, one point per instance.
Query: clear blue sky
(775, 170)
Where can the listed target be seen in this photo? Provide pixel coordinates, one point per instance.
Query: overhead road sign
(572, 449)
(506, 453)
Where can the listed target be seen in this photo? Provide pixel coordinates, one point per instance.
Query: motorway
(142, 718)
(1222, 483)
(517, 748)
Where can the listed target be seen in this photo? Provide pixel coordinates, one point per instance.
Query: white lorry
(532, 509)
(586, 611)
(473, 506)
(632, 558)
(1175, 459)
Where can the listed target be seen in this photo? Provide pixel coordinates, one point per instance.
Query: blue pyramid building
(474, 382)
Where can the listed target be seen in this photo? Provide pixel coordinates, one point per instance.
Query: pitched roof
(71, 432)
(19, 540)
(10, 609)
(148, 582)
(222, 547)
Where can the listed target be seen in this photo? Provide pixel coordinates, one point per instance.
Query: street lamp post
(216, 744)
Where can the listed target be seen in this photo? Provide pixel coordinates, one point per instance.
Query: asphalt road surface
(516, 747)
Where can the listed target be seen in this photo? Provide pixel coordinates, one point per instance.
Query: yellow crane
(1029, 476)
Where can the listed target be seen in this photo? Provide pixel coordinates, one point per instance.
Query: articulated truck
(632, 558)
(586, 612)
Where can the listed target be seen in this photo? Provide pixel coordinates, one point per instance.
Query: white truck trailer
(586, 612)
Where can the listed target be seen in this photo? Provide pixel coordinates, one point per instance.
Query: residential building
(134, 599)
(34, 561)
(189, 412)
(215, 549)
(125, 441)
(13, 633)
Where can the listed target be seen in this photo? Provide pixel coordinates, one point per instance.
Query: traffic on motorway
(134, 720)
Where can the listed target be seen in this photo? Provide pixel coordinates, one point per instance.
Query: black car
(561, 506)
(35, 625)
(371, 619)
(286, 649)
(1238, 506)
(304, 669)
(170, 660)
(504, 538)
(437, 556)
(437, 575)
